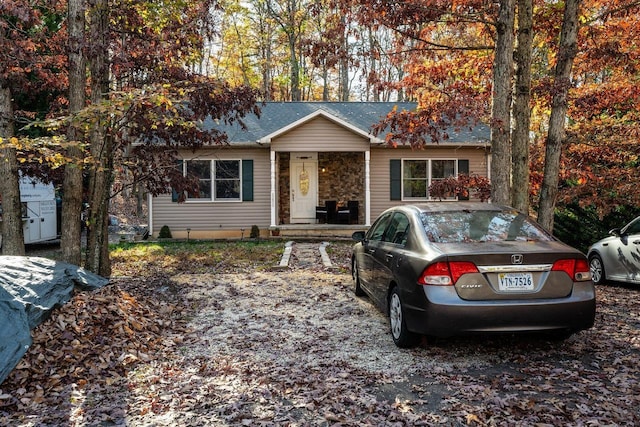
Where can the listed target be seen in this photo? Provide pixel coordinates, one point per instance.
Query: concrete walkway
(305, 254)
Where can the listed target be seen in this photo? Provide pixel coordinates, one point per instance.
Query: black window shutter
(247, 180)
(463, 169)
(395, 172)
(174, 193)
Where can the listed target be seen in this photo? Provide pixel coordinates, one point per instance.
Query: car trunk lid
(512, 270)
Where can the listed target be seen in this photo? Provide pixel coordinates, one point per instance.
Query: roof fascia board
(472, 144)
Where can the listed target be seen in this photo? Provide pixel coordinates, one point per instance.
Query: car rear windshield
(481, 226)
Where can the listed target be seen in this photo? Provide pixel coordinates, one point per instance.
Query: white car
(617, 257)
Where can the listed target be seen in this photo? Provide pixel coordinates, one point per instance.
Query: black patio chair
(332, 211)
(321, 214)
(348, 214)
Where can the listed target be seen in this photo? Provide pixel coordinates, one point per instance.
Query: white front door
(304, 188)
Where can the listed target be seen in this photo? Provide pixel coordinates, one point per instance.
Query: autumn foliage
(447, 49)
(439, 54)
(464, 187)
(602, 154)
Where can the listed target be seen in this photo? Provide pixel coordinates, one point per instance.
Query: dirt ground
(252, 345)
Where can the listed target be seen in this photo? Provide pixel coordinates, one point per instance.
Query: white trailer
(39, 211)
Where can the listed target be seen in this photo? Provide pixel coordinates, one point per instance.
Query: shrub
(255, 232)
(165, 232)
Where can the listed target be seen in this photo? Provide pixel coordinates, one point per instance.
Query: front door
(304, 188)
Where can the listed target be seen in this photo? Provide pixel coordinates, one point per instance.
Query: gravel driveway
(297, 348)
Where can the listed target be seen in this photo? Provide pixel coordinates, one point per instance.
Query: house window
(227, 179)
(202, 170)
(217, 179)
(417, 176)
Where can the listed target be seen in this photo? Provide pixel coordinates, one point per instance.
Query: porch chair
(321, 214)
(332, 211)
(348, 214)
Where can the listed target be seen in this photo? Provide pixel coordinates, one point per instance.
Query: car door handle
(389, 256)
(371, 250)
(636, 242)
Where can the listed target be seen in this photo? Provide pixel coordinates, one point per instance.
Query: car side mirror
(358, 236)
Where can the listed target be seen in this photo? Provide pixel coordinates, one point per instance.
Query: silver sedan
(617, 257)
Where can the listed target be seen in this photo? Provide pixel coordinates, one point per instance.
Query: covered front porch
(324, 192)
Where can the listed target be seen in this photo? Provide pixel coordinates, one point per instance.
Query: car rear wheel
(402, 337)
(597, 269)
(357, 289)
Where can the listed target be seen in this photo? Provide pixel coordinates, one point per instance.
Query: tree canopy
(170, 64)
(143, 86)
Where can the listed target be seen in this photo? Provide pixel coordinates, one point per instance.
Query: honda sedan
(617, 257)
(451, 268)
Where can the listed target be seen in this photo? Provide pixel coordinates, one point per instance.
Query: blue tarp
(30, 288)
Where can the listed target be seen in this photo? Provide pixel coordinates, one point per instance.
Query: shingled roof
(360, 116)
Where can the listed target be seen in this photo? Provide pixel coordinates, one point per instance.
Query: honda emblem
(516, 259)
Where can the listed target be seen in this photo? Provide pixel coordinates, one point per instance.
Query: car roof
(456, 206)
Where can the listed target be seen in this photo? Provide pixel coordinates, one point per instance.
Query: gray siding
(320, 134)
(218, 216)
(380, 174)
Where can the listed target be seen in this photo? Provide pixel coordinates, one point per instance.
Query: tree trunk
(71, 232)
(265, 31)
(266, 75)
(522, 108)
(556, 135)
(373, 68)
(101, 175)
(12, 238)
(325, 82)
(344, 66)
(501, 107)
(295, 70)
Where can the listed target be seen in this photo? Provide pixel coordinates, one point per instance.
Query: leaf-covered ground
(210, 334)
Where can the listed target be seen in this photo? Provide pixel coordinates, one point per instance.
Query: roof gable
(320, 113)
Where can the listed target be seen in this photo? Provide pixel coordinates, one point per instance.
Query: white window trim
(213, 198)
(429, 177)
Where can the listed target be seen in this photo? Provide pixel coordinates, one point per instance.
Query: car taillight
(446, 273)
(577, 269)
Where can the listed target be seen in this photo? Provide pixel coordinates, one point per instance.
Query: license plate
(515, 282)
